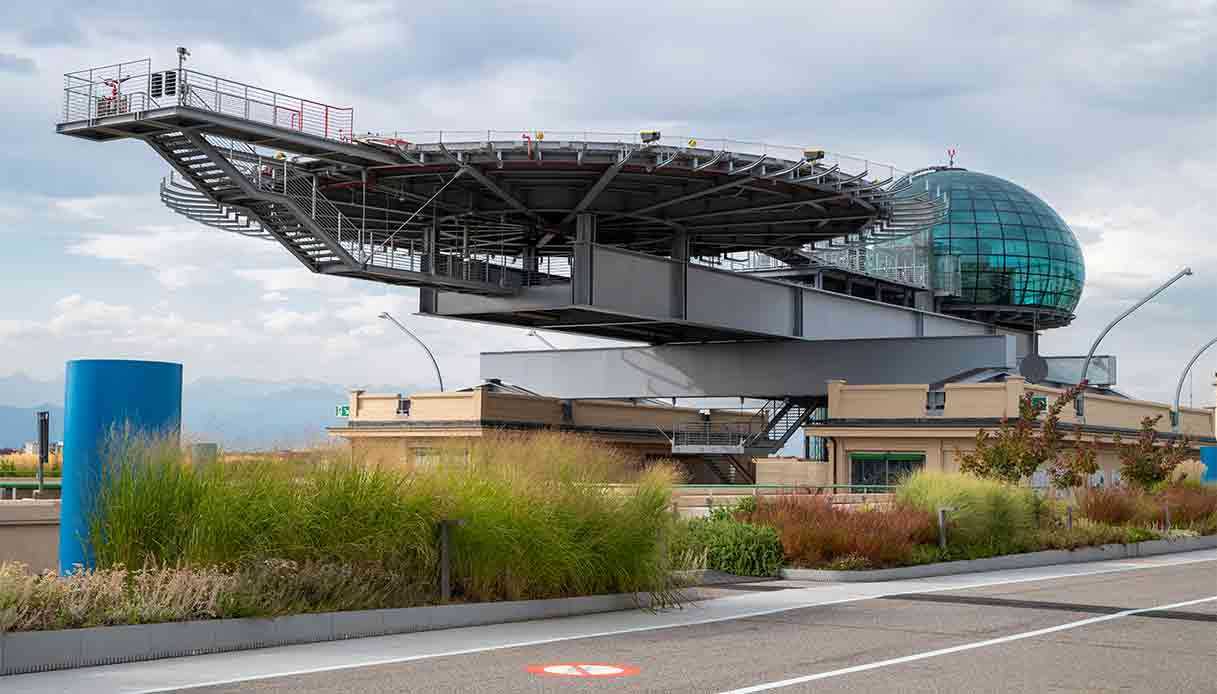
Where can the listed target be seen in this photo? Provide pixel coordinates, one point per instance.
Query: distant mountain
(237, 413)
(20, 424)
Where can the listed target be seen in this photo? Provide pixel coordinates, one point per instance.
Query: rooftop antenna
(951, 157)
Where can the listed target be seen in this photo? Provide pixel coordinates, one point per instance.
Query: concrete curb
(1009, 561)
(37, 651)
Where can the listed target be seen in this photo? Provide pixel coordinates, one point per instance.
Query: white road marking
(962, 647)
(137, 675)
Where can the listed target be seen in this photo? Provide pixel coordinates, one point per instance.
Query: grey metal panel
(632, 283)
(750, 369)
(938, 325)
(830, 316)
(452, 303)
(743, 303)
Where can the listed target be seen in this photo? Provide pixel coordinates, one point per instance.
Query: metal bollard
(445, 557)
(1166, 517)
(942, 526)
(1069, 518)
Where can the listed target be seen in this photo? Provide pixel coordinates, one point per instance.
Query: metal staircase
(729, 447)
(226, 192)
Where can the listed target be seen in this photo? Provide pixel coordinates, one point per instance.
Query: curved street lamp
(1079, 405)
(439, 377)
(1179, 388)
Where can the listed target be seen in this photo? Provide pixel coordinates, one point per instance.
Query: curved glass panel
(1013, 249)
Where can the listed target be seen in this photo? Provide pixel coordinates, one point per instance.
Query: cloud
(276, 280)
(1105, 111)
(283, 320)
(16, 64)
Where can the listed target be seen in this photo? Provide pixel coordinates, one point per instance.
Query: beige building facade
(876, 433)
(392, 428)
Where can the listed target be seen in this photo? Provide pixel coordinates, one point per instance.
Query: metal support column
(680, 274)
(582, 272)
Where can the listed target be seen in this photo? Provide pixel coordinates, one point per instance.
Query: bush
(1114, 505)
(733, 546)
(988, 516)
(814, 533)
(540, 521)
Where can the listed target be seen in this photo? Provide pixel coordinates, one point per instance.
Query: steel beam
(779, 369)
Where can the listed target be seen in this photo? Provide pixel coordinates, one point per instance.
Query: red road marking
(582, 670)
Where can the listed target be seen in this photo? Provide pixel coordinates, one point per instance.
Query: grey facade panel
(750, 369)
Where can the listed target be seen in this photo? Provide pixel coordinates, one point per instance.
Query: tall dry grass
(541, 520)
(814, 533)
(26, 465)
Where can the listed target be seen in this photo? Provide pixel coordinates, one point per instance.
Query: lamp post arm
(1179, 388)
(438, 376)
(1078, 403)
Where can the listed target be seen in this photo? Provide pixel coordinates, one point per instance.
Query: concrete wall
(792, 471)
(1106, 410)
(983, 399)
(29, 533)
(512, 407)
(876, 401)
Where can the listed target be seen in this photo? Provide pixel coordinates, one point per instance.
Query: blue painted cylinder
(102, 396)
(1208, 456)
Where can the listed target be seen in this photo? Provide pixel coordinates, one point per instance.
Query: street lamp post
(1079, 405)
(1179, 388)
(439, 377)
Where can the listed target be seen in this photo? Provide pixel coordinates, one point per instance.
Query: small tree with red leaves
(1017, 449)
(1144, 463)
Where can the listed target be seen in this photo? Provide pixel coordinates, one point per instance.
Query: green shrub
(988, 516)
(734, 547)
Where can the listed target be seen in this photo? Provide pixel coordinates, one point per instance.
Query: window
(886, 468)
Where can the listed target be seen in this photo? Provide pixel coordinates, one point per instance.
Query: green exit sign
(342, 410)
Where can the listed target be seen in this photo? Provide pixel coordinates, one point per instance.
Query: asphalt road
(1140, 626)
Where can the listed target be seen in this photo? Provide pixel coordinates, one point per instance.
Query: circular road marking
(582, 670)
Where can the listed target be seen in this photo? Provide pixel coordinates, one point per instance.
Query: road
(1141, 625)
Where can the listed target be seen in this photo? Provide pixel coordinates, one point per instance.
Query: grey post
(1182, 377)
(1166, 516)
(942, 526)
(1069, 518)
(445, 557)
(1079, 405)
(44, 446)
(438, 376)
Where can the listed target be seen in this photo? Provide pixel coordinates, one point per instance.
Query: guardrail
(133, 87)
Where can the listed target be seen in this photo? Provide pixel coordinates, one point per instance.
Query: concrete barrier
(29, 533)
(37, 651)
(1008, 561)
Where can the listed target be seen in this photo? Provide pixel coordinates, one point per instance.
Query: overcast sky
(1107, 110)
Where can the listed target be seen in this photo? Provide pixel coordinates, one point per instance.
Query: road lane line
(962, 647)
(100, 674)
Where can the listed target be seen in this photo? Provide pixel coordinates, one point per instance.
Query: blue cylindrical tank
(142, 397)
(1208, 456)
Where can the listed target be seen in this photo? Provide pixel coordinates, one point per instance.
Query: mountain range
(239, 414)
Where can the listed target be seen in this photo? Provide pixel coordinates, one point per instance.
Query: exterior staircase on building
(729, 447)
(231, 184)
(227, 184)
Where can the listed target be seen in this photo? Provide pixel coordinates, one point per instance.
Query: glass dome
(1019, 263)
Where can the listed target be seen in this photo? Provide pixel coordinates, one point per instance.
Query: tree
(1074, 468)
(1017, 449)
(1144, 463)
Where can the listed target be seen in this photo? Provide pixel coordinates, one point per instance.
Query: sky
(1106, 110)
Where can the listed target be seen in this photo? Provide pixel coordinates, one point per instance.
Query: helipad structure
(745, 269)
